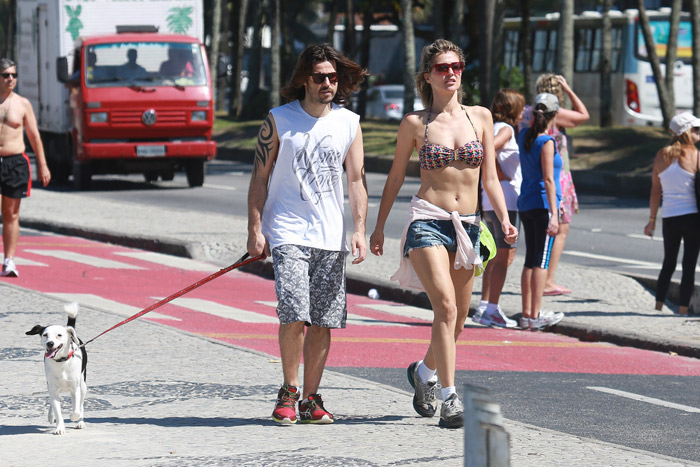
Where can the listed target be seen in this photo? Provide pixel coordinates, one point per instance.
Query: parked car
(386, 102)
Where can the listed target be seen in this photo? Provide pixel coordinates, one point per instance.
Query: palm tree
(695, 19)
(214, 49)
(180, 19)
(666, 103)
(409, 69)
(239, 13)
(605, 71)
(565, 41)
(275, 56)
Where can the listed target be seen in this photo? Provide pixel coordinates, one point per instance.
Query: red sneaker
(311, 410)
(285, 411)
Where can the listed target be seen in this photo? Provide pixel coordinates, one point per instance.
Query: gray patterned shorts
(310, 286)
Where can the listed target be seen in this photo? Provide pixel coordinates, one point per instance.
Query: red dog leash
(241, 262)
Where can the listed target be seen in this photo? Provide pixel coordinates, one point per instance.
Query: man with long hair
(295, 215)
(16, 115)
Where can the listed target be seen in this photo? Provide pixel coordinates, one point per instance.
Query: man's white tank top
(304, 204)
(678, 191)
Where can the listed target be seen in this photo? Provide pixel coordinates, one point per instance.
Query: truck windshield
(144, 63)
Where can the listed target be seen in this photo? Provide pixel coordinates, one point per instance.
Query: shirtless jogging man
(16, 115)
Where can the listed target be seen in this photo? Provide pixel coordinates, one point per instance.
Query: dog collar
(66, 357)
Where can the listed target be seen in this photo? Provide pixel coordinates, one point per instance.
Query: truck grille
(133, 117)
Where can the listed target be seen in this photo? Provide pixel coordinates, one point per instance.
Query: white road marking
(28, 262)
(630, 263)
(222, 311)
(84, 259)
(169, 260)
(220, 187)
(403, 310)
(645, 237)
(118, 308)
(353, 318)
(648, 400)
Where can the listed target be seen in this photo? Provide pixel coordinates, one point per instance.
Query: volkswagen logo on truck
(149, 117)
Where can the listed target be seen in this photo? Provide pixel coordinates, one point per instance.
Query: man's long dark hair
(350, 74)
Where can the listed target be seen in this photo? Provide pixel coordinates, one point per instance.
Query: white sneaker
(478, 313)
(545, 319)
(9, 269)
(525, 323)
(497, 319)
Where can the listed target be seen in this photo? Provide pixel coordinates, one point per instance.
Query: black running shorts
(15, 179)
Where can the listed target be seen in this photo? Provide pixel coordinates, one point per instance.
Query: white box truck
(118, 86)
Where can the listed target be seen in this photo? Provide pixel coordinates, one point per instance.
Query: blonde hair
(548, 82)
(678, 144)
(427, 56)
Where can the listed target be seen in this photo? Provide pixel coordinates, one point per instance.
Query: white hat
(550, 101)
(682, 123)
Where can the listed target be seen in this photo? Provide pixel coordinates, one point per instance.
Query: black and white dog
(65, 364)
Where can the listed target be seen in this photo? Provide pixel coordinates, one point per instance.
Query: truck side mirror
(62, 72)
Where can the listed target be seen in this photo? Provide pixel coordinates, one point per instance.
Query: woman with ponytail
(673, 176)
(538, 205)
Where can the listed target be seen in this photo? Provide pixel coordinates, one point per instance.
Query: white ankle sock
(483, 303)
(447, 391)
(425, 374)
(492, 308)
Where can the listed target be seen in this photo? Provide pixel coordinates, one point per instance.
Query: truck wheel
(167, 175)
(195, 173)
(150, 176)
(82, 175)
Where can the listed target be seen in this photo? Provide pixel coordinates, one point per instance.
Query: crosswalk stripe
(222, 311)
(406, 311)
(19, 261)
(353, 318)
(170, 261)
(121, 309)
(84, 259)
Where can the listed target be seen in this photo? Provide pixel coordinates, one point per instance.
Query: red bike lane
(239, 308)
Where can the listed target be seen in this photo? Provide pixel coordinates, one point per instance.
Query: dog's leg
(55, 401)
(78, 397)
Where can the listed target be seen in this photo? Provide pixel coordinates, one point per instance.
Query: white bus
(635, 99)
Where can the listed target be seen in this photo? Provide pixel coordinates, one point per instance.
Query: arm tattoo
(262, 150)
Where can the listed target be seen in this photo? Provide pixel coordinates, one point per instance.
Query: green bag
(487, 248)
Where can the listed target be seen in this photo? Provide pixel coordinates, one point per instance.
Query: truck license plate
(150, 151)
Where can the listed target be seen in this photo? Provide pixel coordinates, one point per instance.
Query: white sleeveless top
(304, 204)
(678, 188)
(508, 157)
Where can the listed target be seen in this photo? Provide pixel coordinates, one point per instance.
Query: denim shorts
(425, 233)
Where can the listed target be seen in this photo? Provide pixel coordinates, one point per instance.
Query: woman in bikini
(440, 247)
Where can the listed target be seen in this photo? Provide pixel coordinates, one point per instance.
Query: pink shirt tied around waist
(466, 256)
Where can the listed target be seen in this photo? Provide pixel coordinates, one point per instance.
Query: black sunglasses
(7, 75)
(319, 78)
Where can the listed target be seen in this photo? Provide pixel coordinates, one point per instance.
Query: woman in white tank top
(673, 177)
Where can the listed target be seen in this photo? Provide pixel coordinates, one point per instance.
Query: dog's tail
(71, 310)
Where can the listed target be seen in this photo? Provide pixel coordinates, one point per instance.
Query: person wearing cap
(566, 118)
(538, 204)
(673, 178)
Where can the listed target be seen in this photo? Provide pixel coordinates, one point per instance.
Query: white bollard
(486, 442)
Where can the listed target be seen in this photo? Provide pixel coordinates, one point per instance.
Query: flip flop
(557, 291)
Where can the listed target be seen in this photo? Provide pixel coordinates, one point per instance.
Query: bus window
(659, 32)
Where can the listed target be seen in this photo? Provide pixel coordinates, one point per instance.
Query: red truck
(141, 103)
(128, 98)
